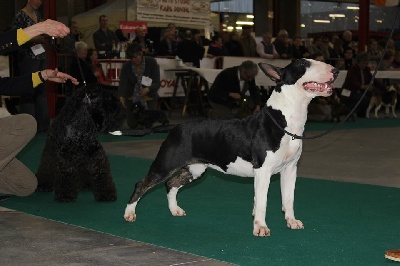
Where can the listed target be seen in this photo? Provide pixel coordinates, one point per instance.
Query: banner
(196, 12)
(130, 26)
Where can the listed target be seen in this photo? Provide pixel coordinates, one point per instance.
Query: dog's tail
(143, 132)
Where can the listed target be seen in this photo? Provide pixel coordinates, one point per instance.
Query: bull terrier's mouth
(316, 86)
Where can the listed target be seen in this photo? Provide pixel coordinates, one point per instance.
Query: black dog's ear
(271, 71)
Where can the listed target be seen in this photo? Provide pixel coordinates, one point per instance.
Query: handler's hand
(56, 76)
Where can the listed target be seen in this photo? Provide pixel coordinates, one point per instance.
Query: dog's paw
(261, 230)
(294, 224)
(177, 211)
(130, 215)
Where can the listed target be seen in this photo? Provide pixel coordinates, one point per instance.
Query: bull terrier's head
(314, 77)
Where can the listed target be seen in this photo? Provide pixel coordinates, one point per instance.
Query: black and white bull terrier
(250, 147)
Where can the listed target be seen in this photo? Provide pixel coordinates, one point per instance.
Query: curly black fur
(73, 157)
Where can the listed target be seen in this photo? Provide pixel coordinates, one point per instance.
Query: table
(192, 82)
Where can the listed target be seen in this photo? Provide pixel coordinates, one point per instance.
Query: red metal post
(363, 24)
(50, 12)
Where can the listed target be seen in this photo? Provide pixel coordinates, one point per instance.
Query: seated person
(79, 68)
(231, 87)
(357, 81)
(92, 60)
(139, 82)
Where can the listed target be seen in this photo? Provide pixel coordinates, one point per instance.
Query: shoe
(393, 254)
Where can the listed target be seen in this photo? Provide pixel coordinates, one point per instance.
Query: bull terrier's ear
(271, 71)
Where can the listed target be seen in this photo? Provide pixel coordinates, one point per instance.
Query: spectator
(67, 45)
(374, 53)
(133, 88)
(281, 44)
(167, 46)
(396, 61)
(248, 42)
(189, 50)
(347, 39)
(32, 58)
(92, 61)
(348, 60)
(231, 86)
(121, 36)
(233, 45)
(79, 67)
(144, 42)
(104, 38)
(357, 81)
(18, 130)
(216, 47)
(318, 48)
(266, 49)
(297, 49)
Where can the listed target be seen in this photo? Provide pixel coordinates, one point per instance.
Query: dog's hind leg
(288, 182)
(371, 104)
(185, 176)
(377, 110)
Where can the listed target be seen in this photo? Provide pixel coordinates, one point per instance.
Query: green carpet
(345, 224)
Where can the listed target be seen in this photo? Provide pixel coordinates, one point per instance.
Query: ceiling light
(245, 23)
(337, 15)
(249, 16)
(353, 7)
(303, 25)
(321, 21)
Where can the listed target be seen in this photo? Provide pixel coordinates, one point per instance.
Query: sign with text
(196, 12)
(130, 26)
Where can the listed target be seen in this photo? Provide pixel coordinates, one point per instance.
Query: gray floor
(368, 156)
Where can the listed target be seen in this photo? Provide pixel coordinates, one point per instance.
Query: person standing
(67, 46)
(31, 58)
(248, 42)
(266, 49)
(281, 44)
(104, 38)
(189, 50)
(145, 43)
(17, 130)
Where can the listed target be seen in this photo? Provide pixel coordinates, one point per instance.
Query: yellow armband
(22, 37)
(36, 79)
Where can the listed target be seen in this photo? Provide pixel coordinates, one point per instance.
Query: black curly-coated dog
(73, 157)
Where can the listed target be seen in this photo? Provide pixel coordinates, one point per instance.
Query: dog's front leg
(261, 184)
(288, 183)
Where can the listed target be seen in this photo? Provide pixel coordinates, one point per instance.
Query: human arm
(24, 84)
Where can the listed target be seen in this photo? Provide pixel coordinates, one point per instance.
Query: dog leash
(294, 136)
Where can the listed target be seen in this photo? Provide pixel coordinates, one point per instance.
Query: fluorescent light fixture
(353, 7)
(303, 25)
(238, 28)
(379, 21)
(229, 28)
(245, 23)
(337, 15)
(321, 21)
(249, 16)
